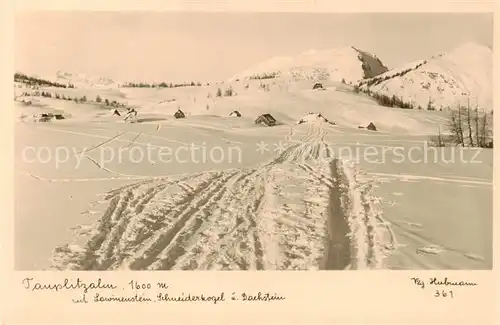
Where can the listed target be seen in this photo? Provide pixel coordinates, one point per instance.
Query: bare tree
(484, 131)
(455, 127)
(476, 124)
(469, 125)
(439, 138)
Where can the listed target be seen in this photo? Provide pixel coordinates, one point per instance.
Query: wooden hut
(318, 86)
(179, 114)
(267, 119)
(371, 127)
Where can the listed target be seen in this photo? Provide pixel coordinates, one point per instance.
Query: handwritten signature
(441, 284)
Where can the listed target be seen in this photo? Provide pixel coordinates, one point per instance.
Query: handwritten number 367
(443, 294)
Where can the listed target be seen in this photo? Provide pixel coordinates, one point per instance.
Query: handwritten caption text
(134, 291)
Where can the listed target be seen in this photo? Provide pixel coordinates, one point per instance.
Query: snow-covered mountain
(82, 80)
(348, 63)
(446, 80)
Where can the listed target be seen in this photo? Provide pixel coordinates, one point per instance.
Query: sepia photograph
(252, 141)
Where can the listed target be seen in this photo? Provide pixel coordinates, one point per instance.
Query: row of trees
(376, 80)
(76, 99)
(264, 76)
(160, 85)
(34, 81)
(467, 127)
(228, 92)
(394, 101)
(106, 102)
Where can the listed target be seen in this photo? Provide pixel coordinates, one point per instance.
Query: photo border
(384, 297)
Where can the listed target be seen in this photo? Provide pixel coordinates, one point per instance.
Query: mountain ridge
(345, 63)
(463, 75)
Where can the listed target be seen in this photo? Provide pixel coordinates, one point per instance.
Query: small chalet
(318, 86)
(371, 127)
(267, 119)
(179, 114)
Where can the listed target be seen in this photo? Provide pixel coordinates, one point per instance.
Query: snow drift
(312, 118)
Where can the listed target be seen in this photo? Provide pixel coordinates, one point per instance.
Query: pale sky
(212, 46)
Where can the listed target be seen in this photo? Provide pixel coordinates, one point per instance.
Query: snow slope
(447, 80)
(346, 63)
(310, 205)
(277, 215)
(288, 102)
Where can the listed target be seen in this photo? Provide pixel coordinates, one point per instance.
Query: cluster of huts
(46, 117)
(266, 119)
(179, 114)
(269, 120)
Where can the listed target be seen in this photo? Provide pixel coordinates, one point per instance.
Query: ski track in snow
(302, 210)
(406, 177)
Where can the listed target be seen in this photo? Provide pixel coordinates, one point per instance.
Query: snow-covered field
(217, 192)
